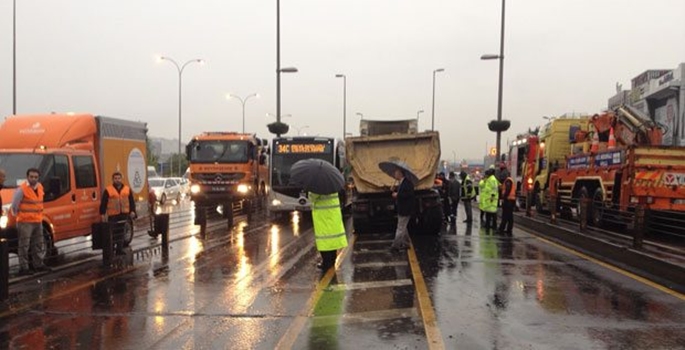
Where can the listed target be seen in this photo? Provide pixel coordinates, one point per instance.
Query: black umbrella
(390, 167)
(316, 175)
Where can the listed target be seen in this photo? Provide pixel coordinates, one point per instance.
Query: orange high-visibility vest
(118, 201)
(31, 205)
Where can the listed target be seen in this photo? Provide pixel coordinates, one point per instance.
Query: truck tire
(360, 226)
(582, 195)
(429, 222)
(49, 250)
(128, 232)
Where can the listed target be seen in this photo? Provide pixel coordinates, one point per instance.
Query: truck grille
(218, 177)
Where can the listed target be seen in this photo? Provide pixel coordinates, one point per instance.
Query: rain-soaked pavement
(257, 287)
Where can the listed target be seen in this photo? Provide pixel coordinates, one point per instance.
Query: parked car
(151, 172)
(166, 188)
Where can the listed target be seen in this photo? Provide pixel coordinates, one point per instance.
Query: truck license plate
(218, 189)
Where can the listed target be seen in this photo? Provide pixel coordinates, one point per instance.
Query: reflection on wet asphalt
(247, 289)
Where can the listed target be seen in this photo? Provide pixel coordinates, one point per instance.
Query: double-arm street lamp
(344, 103)
(417, 117)
(300, 129)
(180, 69)
(361, 115)
(433, 107)
(243, 101)
(499, 126)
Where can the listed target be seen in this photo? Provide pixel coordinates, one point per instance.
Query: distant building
(163, 148)
(659, 93)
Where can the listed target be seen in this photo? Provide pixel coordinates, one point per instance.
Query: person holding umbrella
(323, 181)
(405, 201)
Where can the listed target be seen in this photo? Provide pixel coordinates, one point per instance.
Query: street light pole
(499, 57)
(417, 117)
(361, 115)
(180, 70)
(433, 108)
(14, 57)
(344, 102)
(243, 101)
(501, 78)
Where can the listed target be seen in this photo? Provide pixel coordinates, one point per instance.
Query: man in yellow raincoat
(329, 229)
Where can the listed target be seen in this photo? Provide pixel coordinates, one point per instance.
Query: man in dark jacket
(454, 196)
(404, 195)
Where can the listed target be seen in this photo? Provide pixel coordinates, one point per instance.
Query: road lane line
(430, 324)
(371, 251)
(288, 339)
(616, 269)
(371, 265)
(373, 284)
(378, 241)
(368, 316)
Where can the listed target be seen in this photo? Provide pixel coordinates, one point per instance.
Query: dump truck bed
(421, 151)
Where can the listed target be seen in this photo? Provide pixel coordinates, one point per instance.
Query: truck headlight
(243, 188)
(195, 188)
(276, 202)
(3, 216)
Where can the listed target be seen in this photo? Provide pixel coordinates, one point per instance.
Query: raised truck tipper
(373, 207)
(76, 155)
(228, 170)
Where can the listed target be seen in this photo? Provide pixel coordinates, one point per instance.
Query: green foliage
(151, 158)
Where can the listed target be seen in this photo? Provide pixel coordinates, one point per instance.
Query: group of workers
(492, 188)
(117, 204)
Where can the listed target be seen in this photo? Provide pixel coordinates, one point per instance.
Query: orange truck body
(227, 168)
(76, 154)
(614, 159)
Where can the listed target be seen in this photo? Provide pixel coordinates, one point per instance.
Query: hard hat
(492, 167)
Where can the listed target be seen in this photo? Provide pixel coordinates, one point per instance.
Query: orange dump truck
(227, 170)
(76, 155)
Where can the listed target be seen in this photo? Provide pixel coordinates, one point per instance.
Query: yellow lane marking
(616, 269)
(435, 341)
(290, 336)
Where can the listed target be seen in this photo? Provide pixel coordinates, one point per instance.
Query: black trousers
(454, 205)
(491, 220)
(507, 223)
(328, 259)
(467, 210)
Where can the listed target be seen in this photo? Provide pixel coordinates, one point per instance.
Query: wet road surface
(257, 287)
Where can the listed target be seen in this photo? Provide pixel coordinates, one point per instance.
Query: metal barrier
(639, 226)
(4, 270)
(583, 215)
(162, 227)
(553, 212)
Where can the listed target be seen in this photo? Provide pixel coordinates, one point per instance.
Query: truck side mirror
(189, 150)
(265, 142)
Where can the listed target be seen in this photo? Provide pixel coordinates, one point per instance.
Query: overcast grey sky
(562, 56)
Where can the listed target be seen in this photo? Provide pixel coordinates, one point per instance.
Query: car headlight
(195, 188)
(276, 202)
(243, 188)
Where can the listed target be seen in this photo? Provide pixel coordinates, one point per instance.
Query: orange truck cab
(227, 169)
(76, 155)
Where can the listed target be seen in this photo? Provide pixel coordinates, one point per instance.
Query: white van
(151, 172)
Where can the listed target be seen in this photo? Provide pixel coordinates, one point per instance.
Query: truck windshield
(219, 151)
(15, 166)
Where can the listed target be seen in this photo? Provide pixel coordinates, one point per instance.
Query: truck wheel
(431, 221)
(360, 226)
(583, 194)
(49, 253)
(128, 232)
(247, 208)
